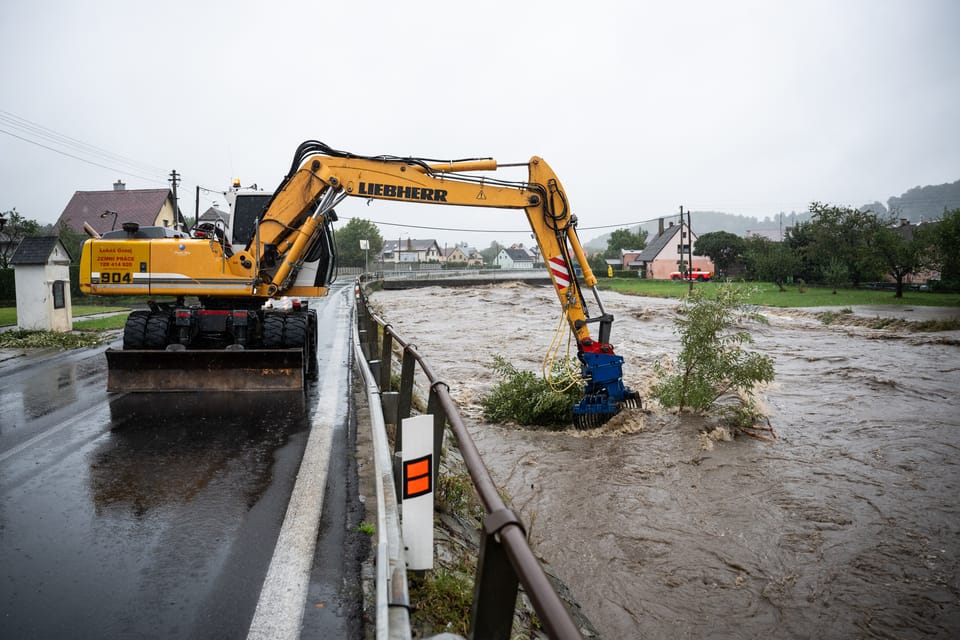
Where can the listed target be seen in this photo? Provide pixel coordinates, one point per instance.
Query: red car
(696, 274)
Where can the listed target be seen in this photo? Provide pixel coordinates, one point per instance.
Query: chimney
(671, 224)
(119, 186)
(660, 232)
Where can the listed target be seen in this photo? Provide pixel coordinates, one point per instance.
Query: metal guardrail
(505, 559)
(392, 607)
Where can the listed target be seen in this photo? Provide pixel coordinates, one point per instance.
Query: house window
(683, 248)
(59, 300)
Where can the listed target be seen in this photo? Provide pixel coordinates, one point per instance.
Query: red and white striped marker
(559, 270)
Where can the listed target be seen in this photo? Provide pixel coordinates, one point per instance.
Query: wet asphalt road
(157, 516)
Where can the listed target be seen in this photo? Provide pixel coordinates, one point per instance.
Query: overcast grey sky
(737, 106)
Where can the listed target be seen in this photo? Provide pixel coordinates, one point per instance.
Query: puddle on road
(847, 526)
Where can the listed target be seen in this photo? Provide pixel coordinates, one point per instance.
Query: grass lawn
(769, 295)
(8, 315)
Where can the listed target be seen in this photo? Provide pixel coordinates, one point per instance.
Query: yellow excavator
(242, 315)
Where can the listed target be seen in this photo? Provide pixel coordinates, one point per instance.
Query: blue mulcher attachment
(605, 393)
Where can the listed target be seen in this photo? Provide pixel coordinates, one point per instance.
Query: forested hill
(917, 204)
(926, 203)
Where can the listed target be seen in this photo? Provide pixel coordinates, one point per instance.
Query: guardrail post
(386, 359)
(496, 585)
(435, 409)
(388, 402)
(406, 385)
(363, 334)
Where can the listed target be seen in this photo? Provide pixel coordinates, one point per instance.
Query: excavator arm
(322, 177)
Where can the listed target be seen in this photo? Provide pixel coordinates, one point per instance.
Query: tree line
(842, 246)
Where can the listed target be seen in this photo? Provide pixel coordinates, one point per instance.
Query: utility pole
(175, 180)
(689, 243)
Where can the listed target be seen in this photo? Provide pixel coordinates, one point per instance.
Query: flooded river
(847, 526)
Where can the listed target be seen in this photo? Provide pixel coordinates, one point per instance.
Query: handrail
(506, 558)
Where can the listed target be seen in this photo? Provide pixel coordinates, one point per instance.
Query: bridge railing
(505, 558)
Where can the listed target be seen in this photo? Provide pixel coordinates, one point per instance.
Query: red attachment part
(591, 346)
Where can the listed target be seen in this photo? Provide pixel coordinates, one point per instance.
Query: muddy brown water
(847, 526)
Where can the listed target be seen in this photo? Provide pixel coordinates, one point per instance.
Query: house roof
(655, 246)
(518, 255)
(36, 250)
(213, 214)
(133, 205)
(409, 245)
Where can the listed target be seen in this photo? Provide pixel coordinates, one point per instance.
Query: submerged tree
(712, 361)
(526, 398)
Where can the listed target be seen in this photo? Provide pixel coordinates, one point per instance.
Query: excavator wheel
(158, 331)
(135, 330)
(295, 331)
(273, 331)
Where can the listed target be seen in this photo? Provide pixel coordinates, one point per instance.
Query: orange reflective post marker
(417, 484)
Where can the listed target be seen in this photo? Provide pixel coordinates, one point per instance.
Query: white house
(514, 259)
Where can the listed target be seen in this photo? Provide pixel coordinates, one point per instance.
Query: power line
(40, 136)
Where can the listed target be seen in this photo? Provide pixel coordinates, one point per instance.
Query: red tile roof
(135, 205)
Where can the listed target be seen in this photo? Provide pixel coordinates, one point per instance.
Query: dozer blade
(204, 370)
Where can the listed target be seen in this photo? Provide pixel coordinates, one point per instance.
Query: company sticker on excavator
(116, 263)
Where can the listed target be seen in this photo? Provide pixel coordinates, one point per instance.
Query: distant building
(667, 252)
(213, 215)
(533, 252)
(410, 250)
(628, 259)
(514, 259)
(462, 254)
(107, 210)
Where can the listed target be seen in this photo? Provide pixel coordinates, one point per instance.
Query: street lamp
(114, 214)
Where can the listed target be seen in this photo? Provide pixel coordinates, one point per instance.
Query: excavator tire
(158, 331)
(295, 331)
(135, 330)
(273, 331)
